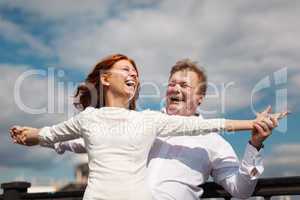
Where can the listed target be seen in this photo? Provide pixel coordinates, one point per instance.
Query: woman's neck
(116, 101)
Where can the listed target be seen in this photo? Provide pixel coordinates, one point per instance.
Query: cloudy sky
(250, 50)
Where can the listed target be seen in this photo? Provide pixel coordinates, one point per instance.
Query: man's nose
(176, 88)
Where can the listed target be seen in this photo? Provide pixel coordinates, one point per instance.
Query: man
(178, 165)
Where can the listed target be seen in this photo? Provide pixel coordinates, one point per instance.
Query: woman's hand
(25, 135)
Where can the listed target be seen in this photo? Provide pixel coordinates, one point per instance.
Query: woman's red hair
(92, 93)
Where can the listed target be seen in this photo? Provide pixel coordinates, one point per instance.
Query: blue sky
(249, 49)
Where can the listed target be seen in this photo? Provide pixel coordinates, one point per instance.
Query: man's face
(183, 97)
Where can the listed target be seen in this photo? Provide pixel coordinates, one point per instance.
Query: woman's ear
(104, 79)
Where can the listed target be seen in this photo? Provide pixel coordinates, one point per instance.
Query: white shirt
(179, 164)
(118, 142)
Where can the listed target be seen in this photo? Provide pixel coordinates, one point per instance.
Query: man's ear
(200, 99)
(104, 78)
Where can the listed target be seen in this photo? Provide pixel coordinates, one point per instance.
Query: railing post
(14, 190)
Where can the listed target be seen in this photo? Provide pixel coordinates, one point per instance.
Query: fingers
(280, 115)
(17, 134)
(275, 121)
(17, 130)
(12, 136)
(269, 122)
(263, 125)
(258, 128)
(15, 127)
(14, 132)
(272, 119)
(23, 138)
(284, 114)
(18, 140)
(267, 110)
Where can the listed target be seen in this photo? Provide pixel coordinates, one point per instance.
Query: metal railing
(267, 188)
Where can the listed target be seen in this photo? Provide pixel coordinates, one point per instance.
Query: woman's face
(123, 79)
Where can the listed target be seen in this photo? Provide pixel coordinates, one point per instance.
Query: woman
(117, 138)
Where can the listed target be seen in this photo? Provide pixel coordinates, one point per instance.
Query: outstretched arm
(180, 125)
(266, 117)
(75, 146)
(47, 136)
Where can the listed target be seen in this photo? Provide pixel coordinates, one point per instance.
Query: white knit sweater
(118, 142)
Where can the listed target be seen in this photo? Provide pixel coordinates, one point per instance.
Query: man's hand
(24, 135)
(263, 126)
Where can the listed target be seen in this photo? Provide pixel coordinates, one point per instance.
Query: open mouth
(175, 99)
(130, 83)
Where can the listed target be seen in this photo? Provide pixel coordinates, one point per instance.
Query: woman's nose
(133, 73)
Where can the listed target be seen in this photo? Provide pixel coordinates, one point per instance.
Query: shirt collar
(163, 110)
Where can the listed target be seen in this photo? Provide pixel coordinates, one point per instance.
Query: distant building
(81, 176)
(35, 189)
(81, 173)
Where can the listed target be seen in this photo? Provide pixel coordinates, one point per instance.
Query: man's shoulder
(209, 141)
(149, 112)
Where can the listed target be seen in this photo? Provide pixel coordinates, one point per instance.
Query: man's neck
(164, 110)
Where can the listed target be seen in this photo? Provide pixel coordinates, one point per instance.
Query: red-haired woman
(117, 138)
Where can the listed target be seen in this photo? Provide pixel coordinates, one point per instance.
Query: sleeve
(76, 146)
(67, 130)
(238, 178)
(171, 125)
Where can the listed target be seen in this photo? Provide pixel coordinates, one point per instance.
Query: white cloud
(293, 91)
(60, 9)
(33, 92)
(240, 42)
(295, 81)
(14, 33)
(283, 160)
(232, 40)
(34, 95)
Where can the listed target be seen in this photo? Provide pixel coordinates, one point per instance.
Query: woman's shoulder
(152, 114)
(87, 111)
(91, 111)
